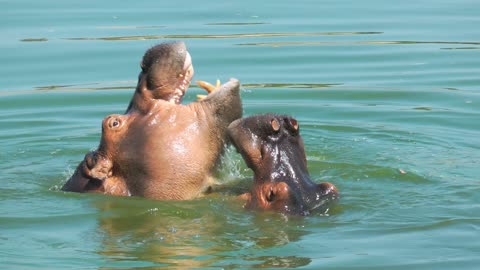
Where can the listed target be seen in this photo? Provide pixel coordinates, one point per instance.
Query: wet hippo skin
(272, 147)
(160, 148)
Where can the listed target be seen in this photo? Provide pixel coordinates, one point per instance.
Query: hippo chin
(272, 147)
(159, 148)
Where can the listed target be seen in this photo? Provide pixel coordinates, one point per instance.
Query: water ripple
(131, 27)
(34, 39)
(130, 85)
(236, 23)
(208, 36)
(346, 43)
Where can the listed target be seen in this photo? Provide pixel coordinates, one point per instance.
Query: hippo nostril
(90, 160)
(115, 123)
(270, 196)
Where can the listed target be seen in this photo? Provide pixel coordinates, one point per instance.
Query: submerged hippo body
(272, 147)
(159, 148)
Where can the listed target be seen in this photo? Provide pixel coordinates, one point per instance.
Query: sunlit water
(387, 95)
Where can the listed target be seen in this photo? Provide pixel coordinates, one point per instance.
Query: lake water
(387, 95)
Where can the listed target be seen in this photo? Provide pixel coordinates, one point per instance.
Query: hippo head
(96, 172)
(272, 147)
(166, 72)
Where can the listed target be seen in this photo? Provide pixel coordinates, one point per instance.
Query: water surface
(387, 96)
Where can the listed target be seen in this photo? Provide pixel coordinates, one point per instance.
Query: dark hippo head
(272, 147)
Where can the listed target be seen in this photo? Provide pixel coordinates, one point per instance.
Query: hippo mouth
(184, 79)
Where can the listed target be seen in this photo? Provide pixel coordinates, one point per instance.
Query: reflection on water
(277, 261)
(187, 234)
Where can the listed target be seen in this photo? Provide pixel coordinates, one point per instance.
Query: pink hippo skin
(272, 147)
(159, 148)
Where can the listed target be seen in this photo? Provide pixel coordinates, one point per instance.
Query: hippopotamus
(272, 147)
(159, 148)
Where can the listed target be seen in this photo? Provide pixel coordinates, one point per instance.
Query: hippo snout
(328, 189)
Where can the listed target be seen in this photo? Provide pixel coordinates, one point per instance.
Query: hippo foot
(208, 87)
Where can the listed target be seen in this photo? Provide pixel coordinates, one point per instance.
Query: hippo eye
(114, 123)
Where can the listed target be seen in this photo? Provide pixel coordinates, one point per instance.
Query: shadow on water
(213, 231)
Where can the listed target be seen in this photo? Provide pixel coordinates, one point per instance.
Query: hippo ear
(97, 166)
(292, 125)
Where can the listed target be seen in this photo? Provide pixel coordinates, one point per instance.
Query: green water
(387, 95)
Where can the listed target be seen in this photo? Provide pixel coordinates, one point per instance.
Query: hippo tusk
(208, 87)
(201, 97)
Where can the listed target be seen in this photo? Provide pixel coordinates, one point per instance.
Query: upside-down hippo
(159, 148)
(272, 147)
